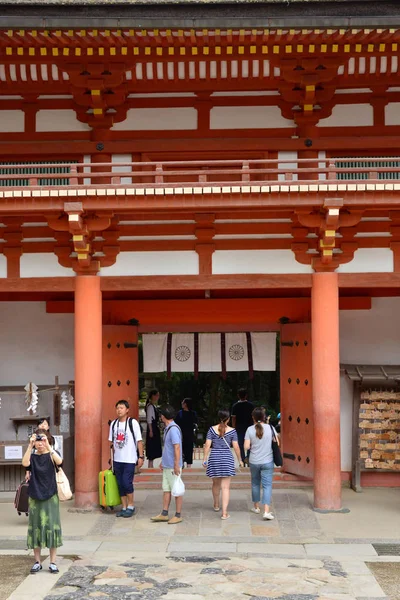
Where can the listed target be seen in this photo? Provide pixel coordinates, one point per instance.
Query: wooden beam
(178, 283)
(205, 282)
(228, 140)
(369, 280)
(37, 284)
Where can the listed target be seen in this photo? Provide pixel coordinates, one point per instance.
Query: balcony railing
(204, 173)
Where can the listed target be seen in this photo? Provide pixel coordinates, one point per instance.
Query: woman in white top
(258, 439)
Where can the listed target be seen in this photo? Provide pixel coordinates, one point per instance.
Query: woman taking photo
(45, 424)
(44, 526)
(186, 419)
(153, 437)
(219, 460)
(258, 439)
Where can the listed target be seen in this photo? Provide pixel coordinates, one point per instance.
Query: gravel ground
(388, 576)
(13, 571)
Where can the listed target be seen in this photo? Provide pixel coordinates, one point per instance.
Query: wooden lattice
(379, 429)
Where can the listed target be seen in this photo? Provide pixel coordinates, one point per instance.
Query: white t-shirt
(150, 413)
(124, 448)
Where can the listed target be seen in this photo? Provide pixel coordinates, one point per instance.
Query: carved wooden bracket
(325, 253)
(99, 91)
(307, 88)
(75, 232)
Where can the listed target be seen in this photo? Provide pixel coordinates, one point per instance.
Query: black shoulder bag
(276, 451)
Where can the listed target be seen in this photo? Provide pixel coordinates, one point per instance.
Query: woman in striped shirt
(219, 461)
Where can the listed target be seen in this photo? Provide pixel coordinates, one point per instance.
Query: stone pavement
(301, 555)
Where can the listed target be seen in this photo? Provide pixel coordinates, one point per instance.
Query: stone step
(235, 485)
(196, 479)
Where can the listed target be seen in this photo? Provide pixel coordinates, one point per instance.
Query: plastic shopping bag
(178, 489)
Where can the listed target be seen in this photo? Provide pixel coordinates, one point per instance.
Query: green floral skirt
(44, 527)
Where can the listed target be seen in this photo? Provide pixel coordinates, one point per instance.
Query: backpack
(130, 423)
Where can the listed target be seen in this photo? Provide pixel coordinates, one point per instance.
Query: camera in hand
(40, 438)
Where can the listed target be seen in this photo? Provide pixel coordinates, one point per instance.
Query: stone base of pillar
(323, 511)
(87, 501)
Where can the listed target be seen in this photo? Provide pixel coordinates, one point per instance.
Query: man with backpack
(127, 447)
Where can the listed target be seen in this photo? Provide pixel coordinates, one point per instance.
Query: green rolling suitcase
(108, 490)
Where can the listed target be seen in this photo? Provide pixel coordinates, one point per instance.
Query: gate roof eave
(199, 14)
(372, 373)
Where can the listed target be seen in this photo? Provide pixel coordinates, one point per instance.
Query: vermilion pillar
(88, 388)
(326, 390)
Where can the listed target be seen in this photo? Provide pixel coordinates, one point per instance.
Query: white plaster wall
(36, 346)
(247, 117)
(371, 336)
(287, 155)
(87, 159)
(3, 266)
(43, 265)
(158, 119)
(154, 263)
(256, 261)
(116, 168)
(392, 113)
(59, 120)
(349, 115)
(369, 260)
(12, 121)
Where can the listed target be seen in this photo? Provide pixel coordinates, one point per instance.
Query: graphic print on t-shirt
(120, 439)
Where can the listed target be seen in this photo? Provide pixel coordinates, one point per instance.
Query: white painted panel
(59, 120)
(322, 165)
(121, 158)
(154, 263)
(349, 115)
(3, 266)
(35, 346)
(247, 117)
(12, 120)
(256, 261)
(392, 113)
(371, 336)
(252, 93)
(369, 260)
(290, 155)
(87, 159)
(346, 422)
(155, 119)
(354, 91)
(43, 265)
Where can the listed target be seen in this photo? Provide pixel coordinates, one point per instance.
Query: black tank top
(42, 484)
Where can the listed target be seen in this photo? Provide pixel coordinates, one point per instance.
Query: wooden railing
(203, 173)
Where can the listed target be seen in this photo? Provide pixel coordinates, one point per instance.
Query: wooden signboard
(377, 432)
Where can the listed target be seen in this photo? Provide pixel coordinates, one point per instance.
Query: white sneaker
(255, 510)
(268, 516)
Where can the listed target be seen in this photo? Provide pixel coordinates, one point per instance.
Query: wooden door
(120, 376)
(296, 399)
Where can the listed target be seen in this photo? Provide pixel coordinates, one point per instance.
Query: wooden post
(88, 389)
(326, 390)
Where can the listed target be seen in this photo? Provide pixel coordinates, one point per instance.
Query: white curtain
(182, 353)
(263, 345)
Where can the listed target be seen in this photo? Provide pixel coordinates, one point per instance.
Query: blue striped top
(220, 461)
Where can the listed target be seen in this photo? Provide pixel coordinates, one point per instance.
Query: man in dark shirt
(241, 418)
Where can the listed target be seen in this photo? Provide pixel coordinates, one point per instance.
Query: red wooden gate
(296, 399)
(120, 376)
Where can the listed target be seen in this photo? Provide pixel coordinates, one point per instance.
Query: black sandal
(53, 568)
(36, 567)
